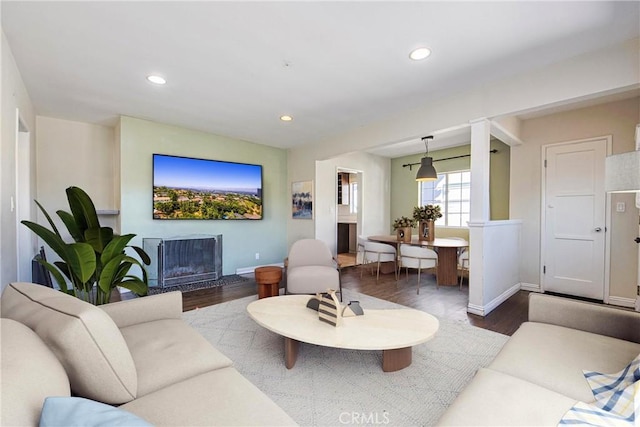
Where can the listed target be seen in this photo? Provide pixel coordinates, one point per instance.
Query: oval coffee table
(394, 331)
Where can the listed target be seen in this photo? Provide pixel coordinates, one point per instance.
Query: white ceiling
(233, 68)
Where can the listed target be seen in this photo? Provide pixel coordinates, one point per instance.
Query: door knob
(637, 239)
(598, 229)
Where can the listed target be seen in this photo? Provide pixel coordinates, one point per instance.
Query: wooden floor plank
(447, 302)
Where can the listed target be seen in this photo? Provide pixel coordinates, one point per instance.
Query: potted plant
(403, 227)
(96, 262)
(427, 215)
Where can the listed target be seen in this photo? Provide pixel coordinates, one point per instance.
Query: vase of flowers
(426, 216)
(403, 226)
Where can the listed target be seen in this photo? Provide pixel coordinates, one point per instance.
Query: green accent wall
(404, 188)
(242, 239)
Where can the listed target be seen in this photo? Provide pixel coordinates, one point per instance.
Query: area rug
(332, 387)
(224, 280)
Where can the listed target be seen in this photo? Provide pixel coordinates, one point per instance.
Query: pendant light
(426, 172)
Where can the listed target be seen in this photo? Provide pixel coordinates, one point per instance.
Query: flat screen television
(188, 188)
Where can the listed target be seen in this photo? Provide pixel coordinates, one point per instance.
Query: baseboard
(250, 270)
(622, 302)
(530, 287)
(488, 308)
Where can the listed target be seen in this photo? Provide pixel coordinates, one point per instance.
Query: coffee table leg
(291, 352)
(394, 360)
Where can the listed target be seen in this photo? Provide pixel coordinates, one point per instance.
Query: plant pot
(427, 231)
(404, 234)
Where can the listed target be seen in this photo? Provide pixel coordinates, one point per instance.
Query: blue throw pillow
(76, 411)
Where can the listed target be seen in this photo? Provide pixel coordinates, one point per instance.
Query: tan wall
(617, 119)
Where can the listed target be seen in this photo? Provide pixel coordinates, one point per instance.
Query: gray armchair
(311, 268)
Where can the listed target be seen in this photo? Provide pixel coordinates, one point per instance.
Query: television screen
(186, 188)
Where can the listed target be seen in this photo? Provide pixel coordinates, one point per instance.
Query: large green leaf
(52, 239)
(135, 285)
(109, 273)
(81, 260)
(62, 266)
(62, 284)
(70, 222)
(115, 247)
(99, 238)
(142, 254)
(46, 215)
(82, 208)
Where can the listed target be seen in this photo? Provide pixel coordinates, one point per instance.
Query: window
(452, 192)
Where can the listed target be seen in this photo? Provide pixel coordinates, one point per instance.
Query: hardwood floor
(447, 302)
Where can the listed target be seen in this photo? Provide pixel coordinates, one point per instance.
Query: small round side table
(268, 280)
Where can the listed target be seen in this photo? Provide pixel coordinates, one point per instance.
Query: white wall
(493, 262)
(13, 97)
(617, 119)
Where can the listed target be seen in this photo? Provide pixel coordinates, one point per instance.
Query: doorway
(574, 218)
(348, 214)
(25, 240)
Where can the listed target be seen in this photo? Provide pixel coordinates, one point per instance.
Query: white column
(480, 167)
(480, 208)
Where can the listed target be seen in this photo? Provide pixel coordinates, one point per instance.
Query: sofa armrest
(145, 309)
(585, 316)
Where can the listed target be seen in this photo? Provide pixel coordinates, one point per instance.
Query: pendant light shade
(426, 172)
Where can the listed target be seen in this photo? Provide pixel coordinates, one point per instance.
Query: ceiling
(233, 68)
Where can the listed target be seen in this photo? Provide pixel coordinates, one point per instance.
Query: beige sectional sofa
(537, 376)
(138, 355)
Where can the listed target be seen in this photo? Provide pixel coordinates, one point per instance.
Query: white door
(574, 219)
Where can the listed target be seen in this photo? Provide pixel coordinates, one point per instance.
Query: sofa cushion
(77, 411)
(554, 357)
(496, 399)
(169, 351)
(30, 373)
(222, 398)
(84, 338)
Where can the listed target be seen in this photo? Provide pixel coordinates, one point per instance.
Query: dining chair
(463, 260)
(360, 249)
(417, 257)
(379, 252)
(463, 264)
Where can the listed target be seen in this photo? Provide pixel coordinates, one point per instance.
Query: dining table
(447, 249)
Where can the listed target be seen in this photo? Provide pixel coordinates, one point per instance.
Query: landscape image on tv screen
(186, 188)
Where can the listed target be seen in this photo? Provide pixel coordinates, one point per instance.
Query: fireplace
(184, 260)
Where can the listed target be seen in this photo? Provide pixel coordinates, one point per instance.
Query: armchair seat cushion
(310, 279)
(176, 352)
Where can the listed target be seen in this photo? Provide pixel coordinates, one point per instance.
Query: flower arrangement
(427, 213)
(403, 221)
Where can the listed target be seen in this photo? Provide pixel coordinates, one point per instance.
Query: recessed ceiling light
(286, 118)
(420, 53)
(156, 79)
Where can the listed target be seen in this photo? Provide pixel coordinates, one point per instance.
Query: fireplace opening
(184, 260)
